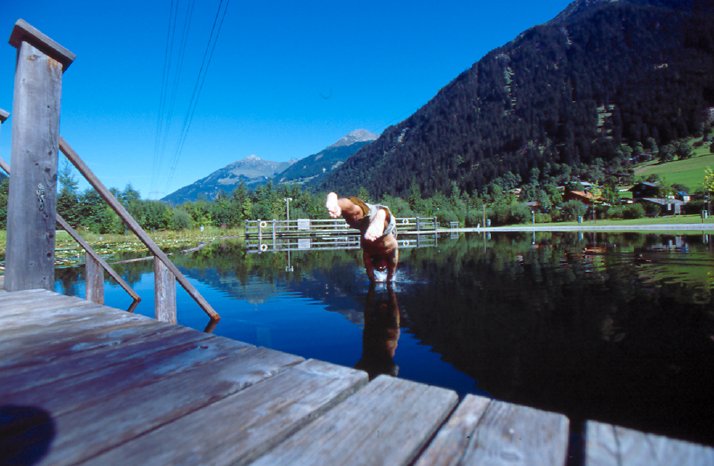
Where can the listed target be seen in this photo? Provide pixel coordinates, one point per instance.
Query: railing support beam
(165, 293)
(30, 248)
(95, 280)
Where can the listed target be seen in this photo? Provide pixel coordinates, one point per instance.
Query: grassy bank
(116, 247)
(689, 172)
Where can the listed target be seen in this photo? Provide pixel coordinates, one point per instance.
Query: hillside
(315, 167)
(252, 171)
(558, 98)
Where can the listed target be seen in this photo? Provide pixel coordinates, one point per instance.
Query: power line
(198, 85)
(168, 54)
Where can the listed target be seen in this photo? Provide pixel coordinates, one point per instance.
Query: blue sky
(286, 79)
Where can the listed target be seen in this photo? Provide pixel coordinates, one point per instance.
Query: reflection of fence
(262, 229)
(327, 242)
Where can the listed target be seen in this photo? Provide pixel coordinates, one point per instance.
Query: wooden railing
(165, 272)
(95, 264)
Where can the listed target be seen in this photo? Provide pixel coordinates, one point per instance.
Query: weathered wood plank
(83, 433)
(241, 427)
(90, 388)
(143, 344)
(612, 445)
(31, 350)
(483, 431)
(60, 314)
(387, 422)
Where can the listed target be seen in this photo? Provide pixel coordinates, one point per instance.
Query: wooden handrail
(134, 226)
(76, 236)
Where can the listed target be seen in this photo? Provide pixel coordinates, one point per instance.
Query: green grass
(689, 172)
(668, 220)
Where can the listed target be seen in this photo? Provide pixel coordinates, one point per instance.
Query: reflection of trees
(576, 333)
(381, 333)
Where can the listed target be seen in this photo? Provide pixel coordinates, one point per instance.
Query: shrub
(181, 220)
(616, 211)
(571, 210)
(633, 211)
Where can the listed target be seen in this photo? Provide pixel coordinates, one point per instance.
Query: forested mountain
(314, 167)
(251, 170)
(560, 98)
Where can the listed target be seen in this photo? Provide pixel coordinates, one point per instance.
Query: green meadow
(689, 172)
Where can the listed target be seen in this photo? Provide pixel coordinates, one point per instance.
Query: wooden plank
(241, 427)
(613, 445)
(89, 388)
(141, 344)
(387, 422)
(25, 305)
(84, 433)
(31, 206)
(29, 349)
(483, 431)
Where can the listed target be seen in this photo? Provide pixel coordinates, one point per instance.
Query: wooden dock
(85, 383)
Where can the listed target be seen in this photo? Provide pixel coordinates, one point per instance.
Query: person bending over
(378, 232)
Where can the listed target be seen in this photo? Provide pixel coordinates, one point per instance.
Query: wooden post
(273, 234)
(30, 257)
(95, 280)
(164, 293)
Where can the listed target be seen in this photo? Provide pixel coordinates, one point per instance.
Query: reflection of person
(378, 232)
(381, 333)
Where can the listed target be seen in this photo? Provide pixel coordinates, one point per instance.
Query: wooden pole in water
(30, 254)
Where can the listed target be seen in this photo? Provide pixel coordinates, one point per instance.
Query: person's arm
(368, 266)
(342, 206)
(392, 266)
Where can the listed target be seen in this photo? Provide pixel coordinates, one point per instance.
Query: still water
(615, 328)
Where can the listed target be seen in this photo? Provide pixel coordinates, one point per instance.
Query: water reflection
(381, 332)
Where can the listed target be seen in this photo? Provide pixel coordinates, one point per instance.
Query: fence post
(273, 234)
(164, 293)
(95, 280)
(30, 259)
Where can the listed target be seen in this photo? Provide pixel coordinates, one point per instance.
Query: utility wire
(168, 54)
(198, 85)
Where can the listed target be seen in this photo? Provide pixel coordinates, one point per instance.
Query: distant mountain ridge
(251, 170)
(313, 168)
(254, 171)
(561, 96)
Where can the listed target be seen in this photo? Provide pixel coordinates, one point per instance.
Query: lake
(612, 327)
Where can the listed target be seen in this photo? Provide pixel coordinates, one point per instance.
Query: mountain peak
(252, 158)
(358, 135)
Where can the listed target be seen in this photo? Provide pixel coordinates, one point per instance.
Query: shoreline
(704, 227)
